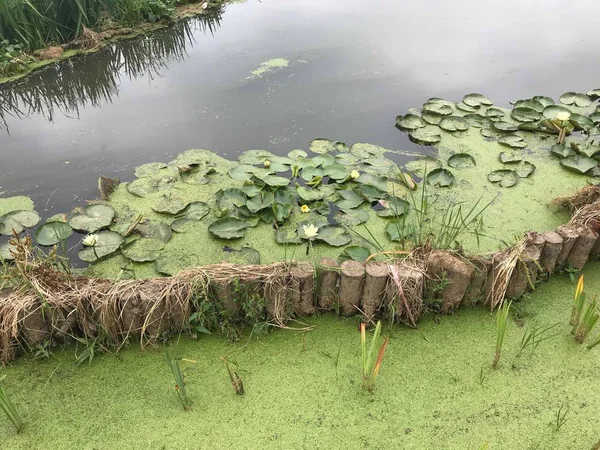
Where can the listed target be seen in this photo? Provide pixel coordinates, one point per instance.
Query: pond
(346, 70)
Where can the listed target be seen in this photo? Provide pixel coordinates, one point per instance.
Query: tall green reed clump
(501, 323)
(9, 409)
(584, 316)
(180, 388)
(371, 366)
(37, 23)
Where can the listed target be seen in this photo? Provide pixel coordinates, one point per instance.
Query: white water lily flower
(267, 164)
(310, 231)
(90, 240)
(204, 5)
(563, 115)
(354, 174)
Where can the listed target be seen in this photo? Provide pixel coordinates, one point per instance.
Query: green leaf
(393, 207)
(107, 243)
(523, 114)
(195, 211)
(142, 187)
(410, 122)
(531, 104)
(545, 101)
(51, 233)
(425, 136)
(260, 201)
(525, 169)
(286, 235)
(579, 163)
(272, 180)
(242, 172)
(395, 230)
(351, 217)
(350, 199)
(581, 122)
(476, 100)
(297, 154)
(431, 118)
(454, 123)
(230, 199)
(440, 177)
(18, 221)
(562, 151)
(494, 113)
(255, 157)
(574, 98)
(365, 150)
(228, 228)
(170, 204)
(371, 193)
(466, 108)
(512, 157)
(354, 253)
(512, 140)
(172, 264)
(461, 161)
(326, 145)
(308, 195)
(336, 172)
(334, 235)
(93, 218)
(504, 126)
(5, 251)
(244, 255)
(476, 120)
(155, 230)
(506, 178)
(143, 250)
(441, 108)
(154, 170)
(373, 180)
(553, 111)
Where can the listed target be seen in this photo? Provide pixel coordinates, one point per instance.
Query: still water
(353, 66)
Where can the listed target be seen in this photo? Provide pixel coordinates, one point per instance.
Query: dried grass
(587, 195)
(503, 266)
(587, 216)
(405, 289)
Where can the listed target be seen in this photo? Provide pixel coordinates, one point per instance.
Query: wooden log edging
(149, 308)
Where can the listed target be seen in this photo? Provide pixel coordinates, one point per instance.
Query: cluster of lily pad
(306, 199)
(574, 116)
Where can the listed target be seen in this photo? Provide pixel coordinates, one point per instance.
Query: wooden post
(551, 251)
(301, 288)
(455, 276)
(329, 275)
(374, 290)
(481, 268)
(581, 248)
(525, 272)
(537, 239)
(351, 286)
(569, 235)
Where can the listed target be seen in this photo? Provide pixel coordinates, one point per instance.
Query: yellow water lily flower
(354, 174)
(90, 240)
(563, 115)
(304, 208)
(267, 164)
(310, 231)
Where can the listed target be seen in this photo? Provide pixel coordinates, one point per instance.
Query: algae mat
(428, 394)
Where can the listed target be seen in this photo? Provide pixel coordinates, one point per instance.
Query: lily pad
(410, 122)
(366, 150)
(440, 108)
(562, 151)
(242, 172)
(454, 123)
(253, 157)
(297, 154)
(272, 180)
(581, 122)
(531, 104)
(510, 157)
(170, 204)
(440, 177)
(504, 126)
(351, 217)
(334, 235)
(425, 136)
(554, 112)
(260, 201)
(354, 253)
(587, 149)
(230, 199)
(395, 230)
(476, 100)
(327, 145)
(143, 250)
(155, 230)
(523, 114)
(506, 178)
(546, 101)
(51, 233)
(142, 187)
(431, 118)
(107, 243)
(476, 120)
(93, 218)
(461, 161)
(172, 264)
(5, 251)
(574, 98)
(373, 180)
(513, 140)
(579, 163)
(309, 195)
(244, 255)
(287, 235)
(228, 228)
(525, 169)
(18, 221)
(466, 108)
(393, 207)
(150, 170)
(350, 199)
(494, 113)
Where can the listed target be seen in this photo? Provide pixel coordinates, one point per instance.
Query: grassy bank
(435, 390)
(26, 27)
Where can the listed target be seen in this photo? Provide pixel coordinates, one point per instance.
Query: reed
(371, 366)
(501, 323)
(180, 388)
(9, 409)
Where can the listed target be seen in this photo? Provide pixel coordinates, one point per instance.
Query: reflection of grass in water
(269, 66)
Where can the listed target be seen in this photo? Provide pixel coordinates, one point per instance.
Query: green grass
(370, 365)
(293, 398)
(501, 324)
(9, 409)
